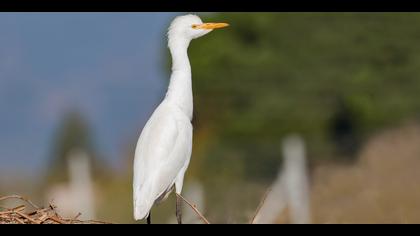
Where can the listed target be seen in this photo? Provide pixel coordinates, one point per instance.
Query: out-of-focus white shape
(274, 204)
(297, 180)
(77, 196)
(291, 187)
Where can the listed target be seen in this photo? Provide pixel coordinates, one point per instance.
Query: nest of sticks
(29, 213)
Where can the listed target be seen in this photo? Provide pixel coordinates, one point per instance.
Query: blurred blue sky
(107, 65)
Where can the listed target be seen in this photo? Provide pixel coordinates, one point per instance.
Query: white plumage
(164, 148)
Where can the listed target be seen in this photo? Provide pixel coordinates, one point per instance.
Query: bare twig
(260, 206)
(5, 212)
(19, 208)
(75, 218)
(194, 207)
(27, 217)
(93, 222)
(21, 198)
(43, 218)
(20, 221)
(56, 219)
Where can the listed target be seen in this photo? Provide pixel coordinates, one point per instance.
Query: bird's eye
(194, 26)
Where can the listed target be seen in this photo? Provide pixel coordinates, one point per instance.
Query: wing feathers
(162, 151)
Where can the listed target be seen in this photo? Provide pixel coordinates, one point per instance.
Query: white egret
(164, 147)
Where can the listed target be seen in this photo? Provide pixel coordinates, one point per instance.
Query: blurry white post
(81, 184)
(291, 188)
(274, 204)
(297, 180)
(77, 196)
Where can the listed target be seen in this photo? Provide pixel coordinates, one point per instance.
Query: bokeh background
(346, 83)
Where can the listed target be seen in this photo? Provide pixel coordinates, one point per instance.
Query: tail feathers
(141, 211)
(142, 203)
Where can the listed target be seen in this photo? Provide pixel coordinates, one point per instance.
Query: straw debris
(29, 213)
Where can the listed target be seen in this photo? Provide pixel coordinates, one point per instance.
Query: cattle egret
(164, 147)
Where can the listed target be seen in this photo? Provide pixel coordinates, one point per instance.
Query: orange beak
(209, 26)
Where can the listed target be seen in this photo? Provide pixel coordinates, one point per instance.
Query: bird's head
(190, 27)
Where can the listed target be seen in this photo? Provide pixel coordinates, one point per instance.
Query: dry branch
(21, 198)
(194, 207)
(17, 215)
(260, 205)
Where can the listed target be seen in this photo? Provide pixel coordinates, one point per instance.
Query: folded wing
(161, 152)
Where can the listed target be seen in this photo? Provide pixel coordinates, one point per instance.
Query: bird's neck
(180, 87)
